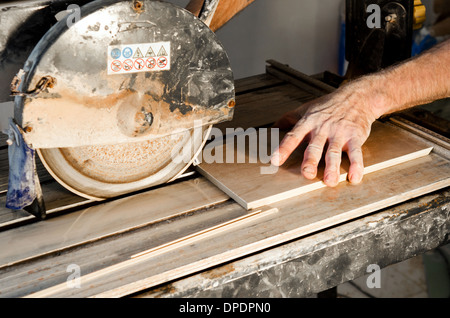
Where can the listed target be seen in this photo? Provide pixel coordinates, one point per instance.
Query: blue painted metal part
(22, 178)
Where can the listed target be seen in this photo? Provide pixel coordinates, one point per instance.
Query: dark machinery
(380, 33)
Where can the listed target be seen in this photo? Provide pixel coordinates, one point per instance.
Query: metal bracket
(45, 82)
(24, 188)
(37, 207)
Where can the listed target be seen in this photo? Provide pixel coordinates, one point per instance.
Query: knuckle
(355, 152)
(313, 149)
(310, 162)
(334, 152)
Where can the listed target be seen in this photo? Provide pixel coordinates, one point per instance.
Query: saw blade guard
(123, 74)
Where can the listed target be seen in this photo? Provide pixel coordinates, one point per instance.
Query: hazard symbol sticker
(150, 52)
(143, 57)
(162, 62)
(139, 64)
(162, 51)
(150, 63)
(128, 65)
(116, 66)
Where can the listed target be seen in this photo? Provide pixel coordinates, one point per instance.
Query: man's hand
(342, 120)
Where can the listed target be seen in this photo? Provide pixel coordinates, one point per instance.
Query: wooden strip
(195, 6)
(293, 73)
(423, 132)
(386, 146)
(300, 84)
(184, 241)
(297, 217)
(226, 10)
(107, 218)
(258, 82)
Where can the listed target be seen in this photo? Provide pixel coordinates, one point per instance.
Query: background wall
(302, 33)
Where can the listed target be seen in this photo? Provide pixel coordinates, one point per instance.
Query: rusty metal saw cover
(123, 99)
(123, 74)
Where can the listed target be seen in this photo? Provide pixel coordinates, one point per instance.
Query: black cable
(361, 290)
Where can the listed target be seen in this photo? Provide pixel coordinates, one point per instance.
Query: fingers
(356, 170)
(312, 156)
(333, 160)
(333, 163)
(319, 124)
(289, 143)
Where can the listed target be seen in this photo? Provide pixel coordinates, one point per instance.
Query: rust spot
(138, 6)
(51, 81)
(28, 129)
(231, 103)
(164, 290)
(219, 272)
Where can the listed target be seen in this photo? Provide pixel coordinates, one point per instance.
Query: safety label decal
(134, 58)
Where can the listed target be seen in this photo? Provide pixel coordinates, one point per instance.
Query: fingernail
(309, 171)
(330, 179)
(276, 159)
(355, 178)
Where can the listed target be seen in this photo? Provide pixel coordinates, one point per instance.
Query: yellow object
(419, 14)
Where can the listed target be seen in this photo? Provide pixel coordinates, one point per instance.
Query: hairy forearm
(415, 82)
(343, 118)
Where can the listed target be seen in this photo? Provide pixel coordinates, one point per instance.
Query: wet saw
(118, 100)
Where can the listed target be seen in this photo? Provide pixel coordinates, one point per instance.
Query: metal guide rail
(174, 240)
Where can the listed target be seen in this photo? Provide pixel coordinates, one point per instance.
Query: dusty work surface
(110, 268)
(113, 242)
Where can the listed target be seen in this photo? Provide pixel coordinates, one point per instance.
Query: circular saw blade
(100, 172)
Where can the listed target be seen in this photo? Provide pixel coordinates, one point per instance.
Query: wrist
(371, 94)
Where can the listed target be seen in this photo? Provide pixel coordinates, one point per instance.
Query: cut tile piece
(250, 184)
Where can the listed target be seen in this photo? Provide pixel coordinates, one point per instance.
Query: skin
(341, 121)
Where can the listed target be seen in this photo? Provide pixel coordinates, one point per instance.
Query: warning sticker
(150, 63)
(116, 66)
(138, 54)
(162, 51)
(134, 58)
(150, 52)
(128, 65)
